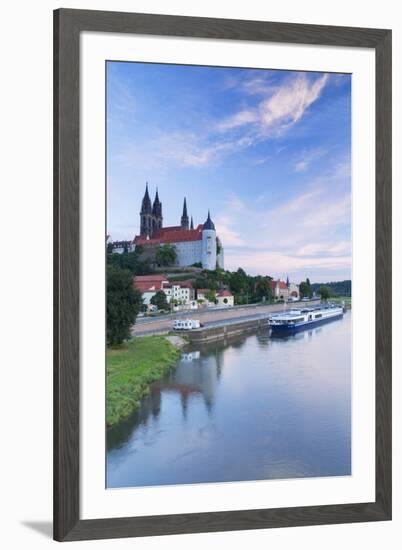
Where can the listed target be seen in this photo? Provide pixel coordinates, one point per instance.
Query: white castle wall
(188, 252)
(208, 249)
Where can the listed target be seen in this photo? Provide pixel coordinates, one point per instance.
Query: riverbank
(130, 369)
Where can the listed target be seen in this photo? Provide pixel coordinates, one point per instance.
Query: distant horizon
(267, 152)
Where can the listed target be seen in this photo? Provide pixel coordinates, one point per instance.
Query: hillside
(338, 288)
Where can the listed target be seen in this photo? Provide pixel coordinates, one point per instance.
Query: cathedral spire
(191, 224)
(146, 214)
(184, 217)
(157, 206)
(146, 207)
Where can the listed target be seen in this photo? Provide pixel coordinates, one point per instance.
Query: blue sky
(268, 152)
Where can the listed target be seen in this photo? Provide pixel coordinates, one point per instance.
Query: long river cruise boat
(294, 320)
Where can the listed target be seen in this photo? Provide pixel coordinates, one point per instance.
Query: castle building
(194, 245)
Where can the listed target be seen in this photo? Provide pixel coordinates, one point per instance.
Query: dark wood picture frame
(68, 24)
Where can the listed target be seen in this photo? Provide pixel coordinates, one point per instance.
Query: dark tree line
(337, 288)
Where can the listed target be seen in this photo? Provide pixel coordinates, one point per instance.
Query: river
(251, 408)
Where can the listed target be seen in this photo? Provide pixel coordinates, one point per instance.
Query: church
(194, 245)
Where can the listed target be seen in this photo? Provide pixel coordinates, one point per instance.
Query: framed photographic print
(222, 254)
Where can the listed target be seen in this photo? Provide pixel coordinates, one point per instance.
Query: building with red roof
(193, 245)
(284, 291)
(225, 298)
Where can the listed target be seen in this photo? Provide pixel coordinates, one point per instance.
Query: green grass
(130, 369)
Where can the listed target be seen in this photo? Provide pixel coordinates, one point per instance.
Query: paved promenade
(210, 317)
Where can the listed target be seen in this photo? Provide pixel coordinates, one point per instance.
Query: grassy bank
(130, 369)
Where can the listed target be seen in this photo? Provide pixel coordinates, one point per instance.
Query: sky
(268, 152)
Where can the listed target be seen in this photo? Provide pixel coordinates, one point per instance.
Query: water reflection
(249, 408)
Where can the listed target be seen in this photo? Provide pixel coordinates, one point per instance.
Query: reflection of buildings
(196, 375)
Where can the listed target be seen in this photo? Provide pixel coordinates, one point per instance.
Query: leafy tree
(239, 282)
(123, 304)
(263, 289)
(131, 261)
(338, 288)
(305, 289)
(324, 292)
(159, 300)
(211, 296)
(166, 255)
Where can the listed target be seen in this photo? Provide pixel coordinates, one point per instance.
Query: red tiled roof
(282, 285)
(173, 234)
(185, 284)
(224, 293)
(146, 283)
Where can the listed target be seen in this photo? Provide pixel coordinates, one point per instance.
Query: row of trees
(247, 289)
(337, 288)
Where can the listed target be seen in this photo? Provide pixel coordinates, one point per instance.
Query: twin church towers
(195, 246)
(152, 218)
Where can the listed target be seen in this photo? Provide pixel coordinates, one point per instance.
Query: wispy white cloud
(279, 110)
(307, 157)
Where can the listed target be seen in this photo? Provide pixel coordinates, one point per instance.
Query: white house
(181, 292)
(225, 298)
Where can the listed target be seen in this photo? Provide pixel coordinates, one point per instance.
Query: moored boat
(299, 319)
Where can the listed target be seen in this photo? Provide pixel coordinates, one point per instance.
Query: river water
(247, 409)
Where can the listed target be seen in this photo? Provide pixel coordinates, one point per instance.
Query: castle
(194, 245)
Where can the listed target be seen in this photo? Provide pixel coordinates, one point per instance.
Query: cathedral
(194, 245)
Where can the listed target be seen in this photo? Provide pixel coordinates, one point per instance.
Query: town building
(284, 290)
(224, 298)
(194, 245)
(149, 285)
(181, 293)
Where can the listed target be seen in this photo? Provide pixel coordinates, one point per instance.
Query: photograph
(228, 270)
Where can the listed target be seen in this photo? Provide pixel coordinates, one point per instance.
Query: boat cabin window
(318, 315)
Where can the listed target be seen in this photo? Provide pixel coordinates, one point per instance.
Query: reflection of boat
(192, 356)
(301, 319)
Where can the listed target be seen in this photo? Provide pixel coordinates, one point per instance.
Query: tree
(211, 296)
(324, 292)
(131, 261)
(305, 289)
(123, 304)
(159, 300)
(166, 255)
(263, 290)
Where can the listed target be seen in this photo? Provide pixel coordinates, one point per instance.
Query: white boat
(186, 324)
(300, 319)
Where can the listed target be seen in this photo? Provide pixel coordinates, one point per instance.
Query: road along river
(161, 324)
